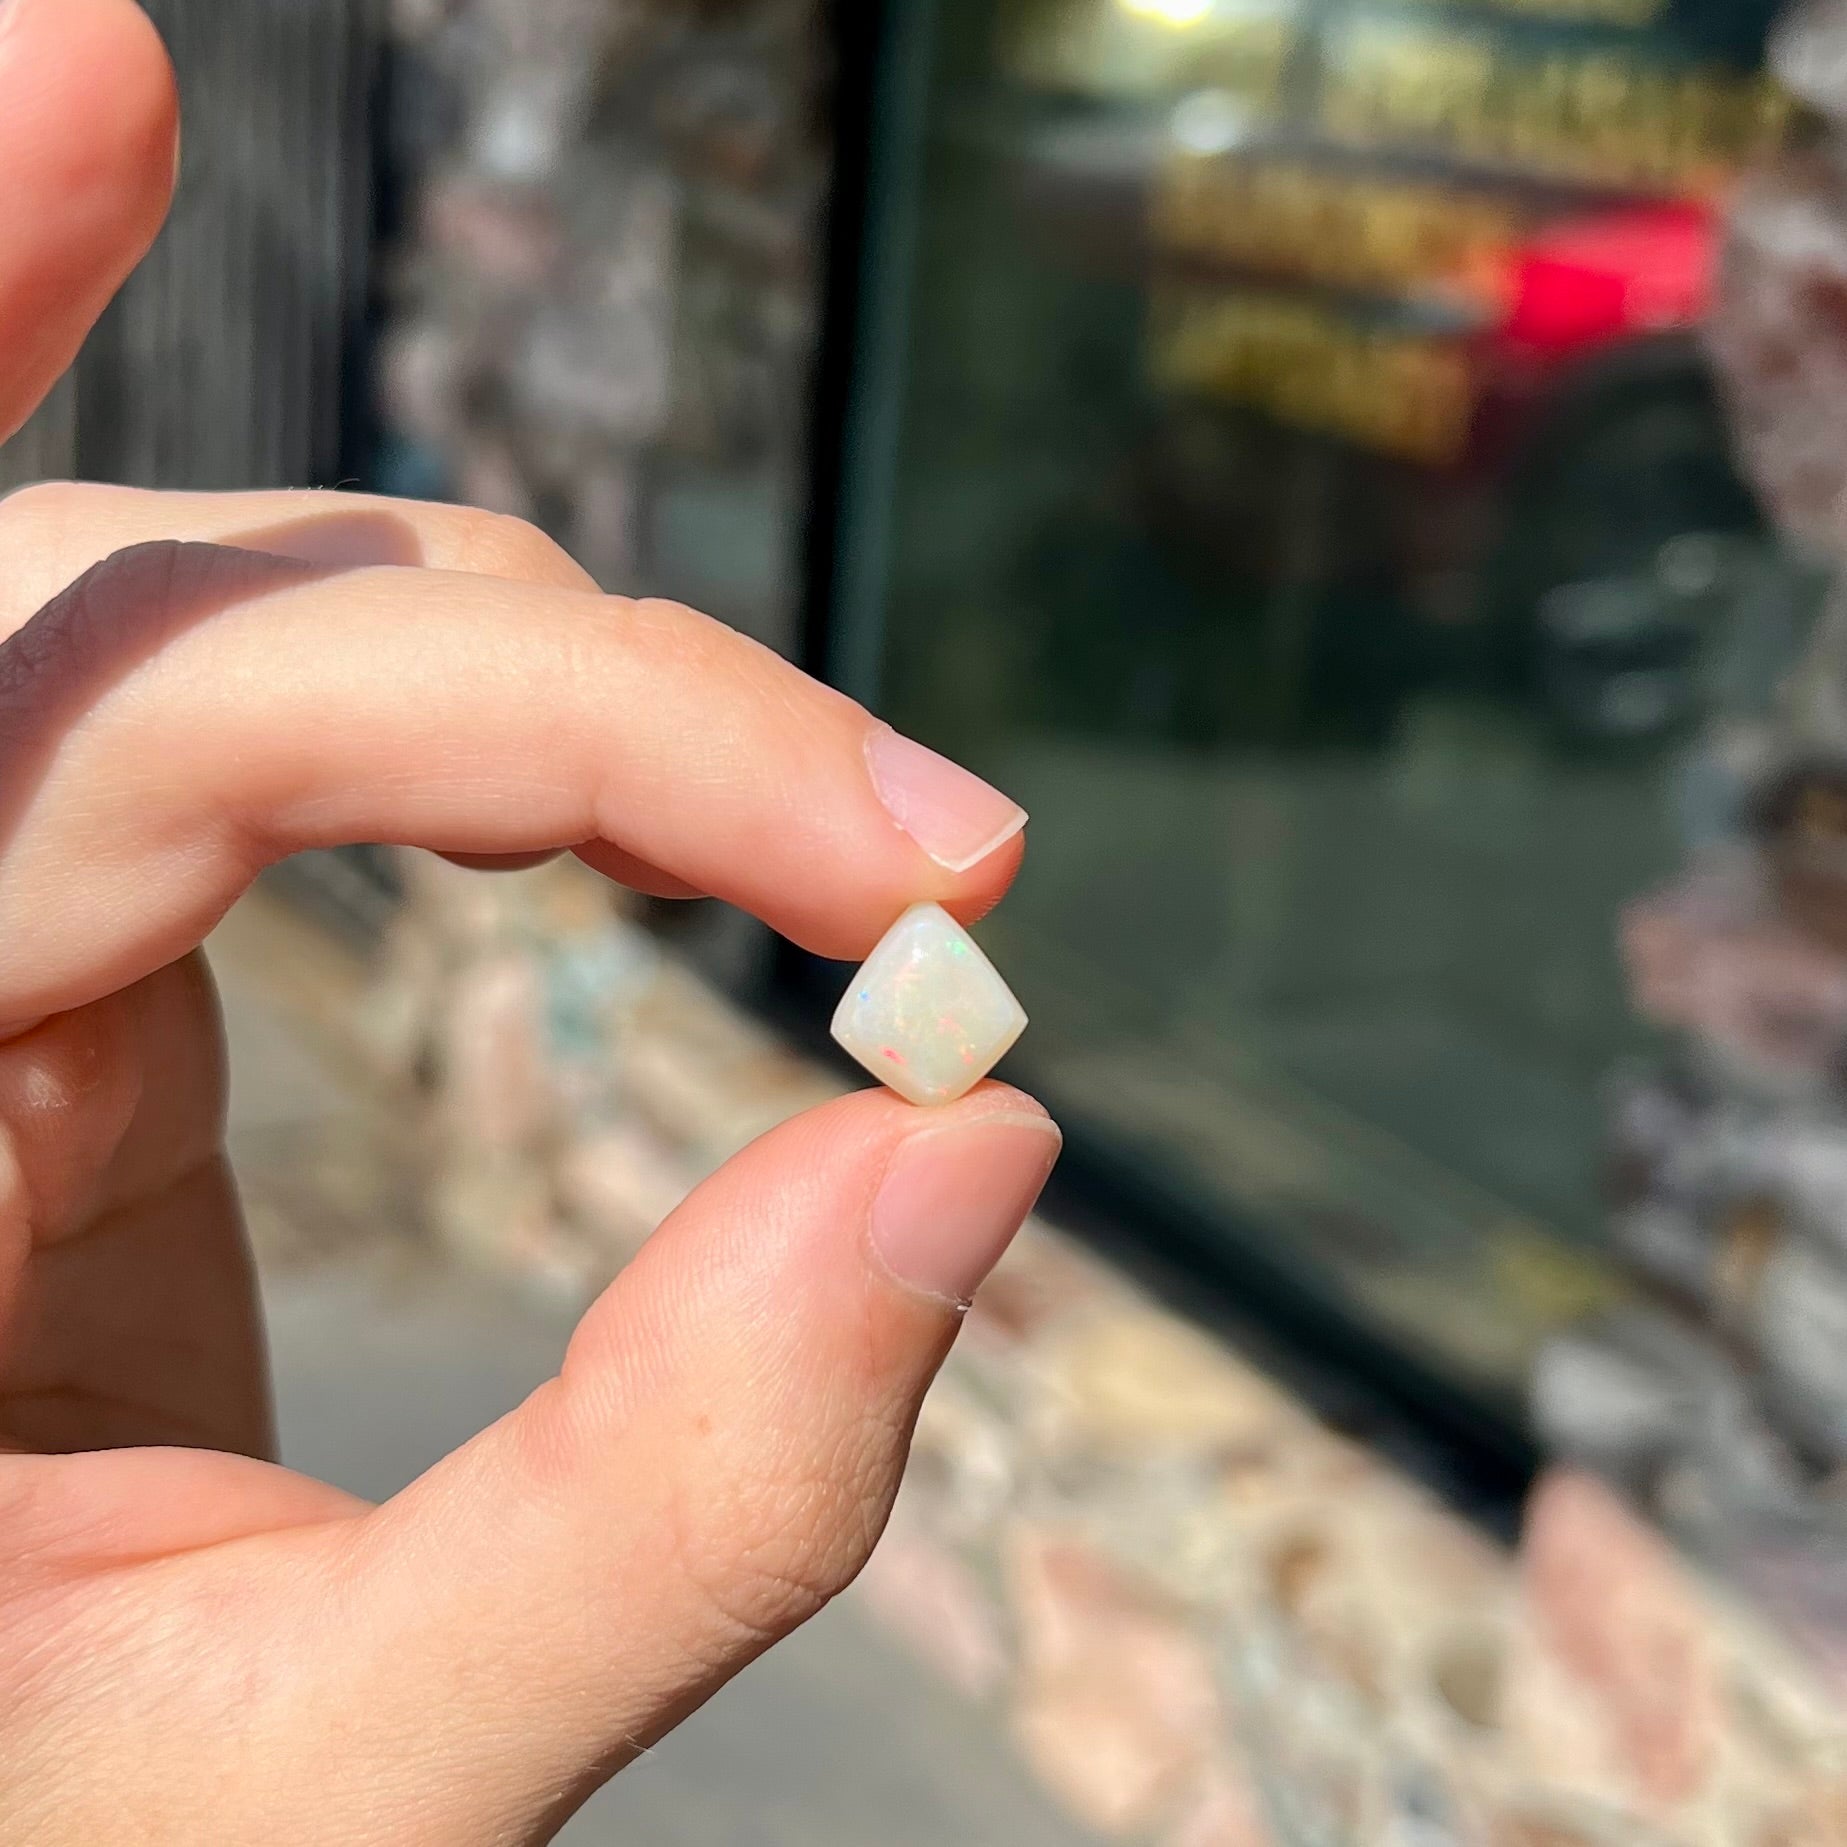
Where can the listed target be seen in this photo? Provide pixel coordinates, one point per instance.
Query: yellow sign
(1580, 12)
(1571, 113)
(1405, 394)
(1291, 218)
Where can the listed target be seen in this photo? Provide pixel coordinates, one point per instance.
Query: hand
(196, 1645)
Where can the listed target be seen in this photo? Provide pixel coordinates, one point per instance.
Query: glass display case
(1282, 448)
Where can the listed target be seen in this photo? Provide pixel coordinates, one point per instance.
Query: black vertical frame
(881, 92)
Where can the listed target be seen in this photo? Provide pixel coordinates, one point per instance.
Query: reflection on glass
(1313, 502)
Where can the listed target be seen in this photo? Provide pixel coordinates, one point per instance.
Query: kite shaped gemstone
(928, 1015)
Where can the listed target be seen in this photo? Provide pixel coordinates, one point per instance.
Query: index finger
(186, 714)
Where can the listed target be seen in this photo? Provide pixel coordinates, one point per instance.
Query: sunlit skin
(197, 1645)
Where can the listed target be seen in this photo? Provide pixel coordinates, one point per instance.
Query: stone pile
(607, 273)
(1205, 1617)
(1718, 1400)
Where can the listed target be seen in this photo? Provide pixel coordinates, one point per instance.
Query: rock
(1424, 1810)
(1808, 53)
(1805, 1159)
(496, 1089)
(1801, 1330)
(1117, 1710)
(1625, 1395)
(620, 1183)
(1130, 1382)
(614, 260)
(1816, 1818)
(1328, 1615)
(1615, 1679)
(420, 373)
(1112, 1764)
(494, 1214)
(1224, 1812)
(490, 474)
(709, 1099)
(1539, 1830)
(1717, 958)
(607, 526)
(964, 1471)
(1468, 1668)
(922, 1592)
(1041, 1281)
(1798, 1580)
(1778, 338)
(1326, 1777)
(595, 361)
(506, 238)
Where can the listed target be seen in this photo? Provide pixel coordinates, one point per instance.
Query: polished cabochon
(928, 1015)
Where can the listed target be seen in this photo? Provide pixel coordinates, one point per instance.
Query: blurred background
(1367, 475)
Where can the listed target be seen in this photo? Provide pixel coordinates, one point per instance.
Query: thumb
(88, 130)
(715, 1462)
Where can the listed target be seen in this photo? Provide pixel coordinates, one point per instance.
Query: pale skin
(196, 1644)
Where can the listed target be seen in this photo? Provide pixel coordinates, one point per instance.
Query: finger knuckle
(732, 666)
(499, 545)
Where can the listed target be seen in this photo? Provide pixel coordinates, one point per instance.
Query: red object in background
(1592, 281)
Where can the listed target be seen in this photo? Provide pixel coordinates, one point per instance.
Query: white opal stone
(928, 1015)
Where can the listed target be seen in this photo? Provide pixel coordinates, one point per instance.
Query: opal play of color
(928, 1015)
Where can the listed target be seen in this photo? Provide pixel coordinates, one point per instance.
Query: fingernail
(954, 1198)
(953, 815)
